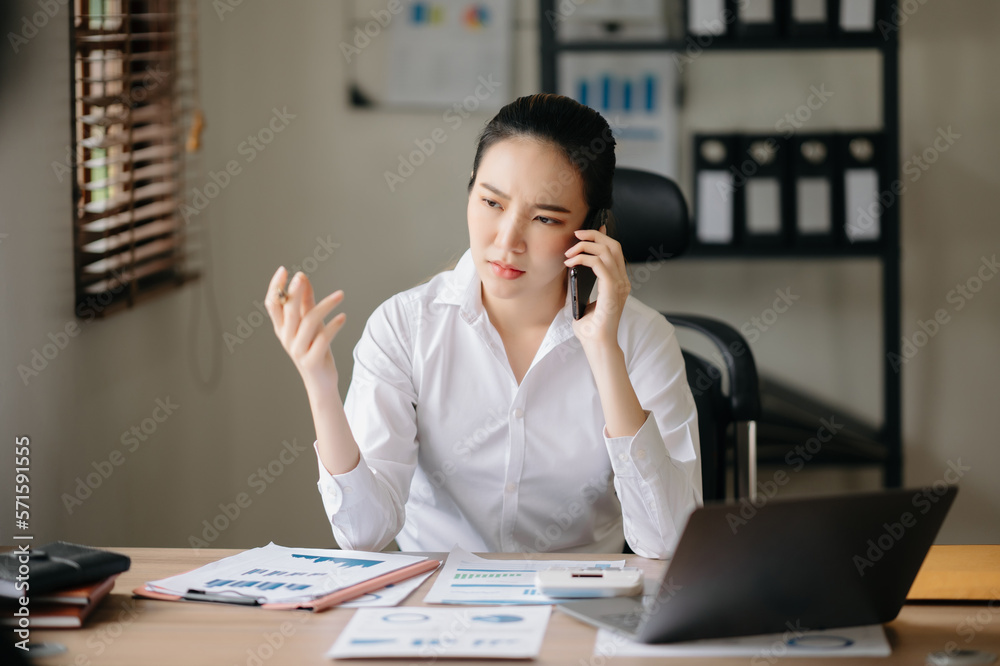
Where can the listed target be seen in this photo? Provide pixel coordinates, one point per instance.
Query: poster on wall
(445, 52)
(637, 94)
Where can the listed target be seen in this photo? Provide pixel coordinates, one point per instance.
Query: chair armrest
(744, 386)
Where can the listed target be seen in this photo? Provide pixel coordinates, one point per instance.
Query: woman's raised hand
(298, 323)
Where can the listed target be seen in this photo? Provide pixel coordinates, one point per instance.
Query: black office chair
(652, 223)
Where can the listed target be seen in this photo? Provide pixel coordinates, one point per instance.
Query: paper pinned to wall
(637, 95)
(449, 52)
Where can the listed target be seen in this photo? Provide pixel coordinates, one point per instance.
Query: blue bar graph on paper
(344, 562)
(627, 95)
(582, 97)
(650, 93)
(260, 584)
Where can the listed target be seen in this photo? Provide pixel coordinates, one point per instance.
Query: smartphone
(582, 278)
(584, 582)
(581, 283)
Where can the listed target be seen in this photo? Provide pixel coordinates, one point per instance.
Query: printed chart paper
(390, 595)
(867, 641)
(468, 579)
(276, 574)
(416, 631)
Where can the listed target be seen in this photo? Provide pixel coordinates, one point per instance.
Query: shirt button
(511, 487)
(518, 413)
(348, 489)
(640, 454)
(622, 457)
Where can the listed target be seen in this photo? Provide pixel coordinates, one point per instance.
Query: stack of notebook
(59, 584)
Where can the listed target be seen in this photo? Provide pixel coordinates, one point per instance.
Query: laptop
(805, 564)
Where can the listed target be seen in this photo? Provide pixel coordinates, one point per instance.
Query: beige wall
(322, 177)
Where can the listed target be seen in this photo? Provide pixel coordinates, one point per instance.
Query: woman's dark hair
(581, 133)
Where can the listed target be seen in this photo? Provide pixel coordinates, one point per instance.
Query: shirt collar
(462, 287)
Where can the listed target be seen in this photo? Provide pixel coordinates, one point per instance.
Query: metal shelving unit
(886, 250)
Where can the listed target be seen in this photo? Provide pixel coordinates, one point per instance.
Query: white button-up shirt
(455, 452)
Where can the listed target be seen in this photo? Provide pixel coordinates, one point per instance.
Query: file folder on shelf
(765, 197)
(814, 190)
(862, 19)
(715, 191)
(757, 19)
(856, 16)
(710, 17)
(862, 159)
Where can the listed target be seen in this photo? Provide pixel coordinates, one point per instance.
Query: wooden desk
(135, 632)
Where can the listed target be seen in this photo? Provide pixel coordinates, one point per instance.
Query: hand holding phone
(582, 278)
(581, 283)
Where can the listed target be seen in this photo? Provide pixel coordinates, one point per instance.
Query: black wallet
(56, 566)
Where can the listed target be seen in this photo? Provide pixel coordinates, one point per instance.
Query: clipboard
(319, 604)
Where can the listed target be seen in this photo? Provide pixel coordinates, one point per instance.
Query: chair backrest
(651, 216)
(652, 224)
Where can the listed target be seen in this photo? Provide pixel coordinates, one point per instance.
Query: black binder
(56, 566)
(864, 192)
(716, 209)
(814, 191)
(766, 199)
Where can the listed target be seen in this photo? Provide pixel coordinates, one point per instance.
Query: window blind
(133, 95)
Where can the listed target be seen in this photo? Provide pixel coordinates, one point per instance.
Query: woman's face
(524, 206)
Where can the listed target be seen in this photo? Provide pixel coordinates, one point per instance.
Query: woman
(480, 413)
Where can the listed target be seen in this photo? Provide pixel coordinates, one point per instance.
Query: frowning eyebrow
(542, 206)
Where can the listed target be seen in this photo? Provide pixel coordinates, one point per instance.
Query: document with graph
(275, 574)
(469, 579)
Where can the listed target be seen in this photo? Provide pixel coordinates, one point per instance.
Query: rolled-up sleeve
(657, 471)
(366, 505)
